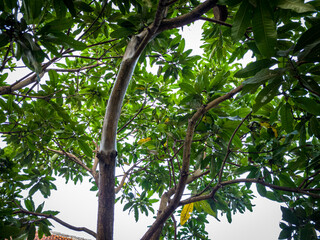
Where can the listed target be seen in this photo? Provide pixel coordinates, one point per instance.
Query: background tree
(197, 134)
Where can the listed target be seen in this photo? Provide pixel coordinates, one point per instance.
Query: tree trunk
(106, 195)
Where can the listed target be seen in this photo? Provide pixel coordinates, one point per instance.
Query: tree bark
(106, 195)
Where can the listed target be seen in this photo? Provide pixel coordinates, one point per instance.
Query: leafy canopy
(268, 134)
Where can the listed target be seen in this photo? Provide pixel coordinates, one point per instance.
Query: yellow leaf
(144, 140)
(275, 131)
(140, 88)
(265, 124)
(185, 213)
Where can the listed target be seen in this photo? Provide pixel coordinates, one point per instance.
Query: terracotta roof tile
(57, 236)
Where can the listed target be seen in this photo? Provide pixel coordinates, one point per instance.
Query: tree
(198, 134)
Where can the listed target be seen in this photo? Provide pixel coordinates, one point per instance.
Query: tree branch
(215, 21)
(249, 180)
(174, 203)
(127, 123)
(75, 159)
(125, 175)
(76, 69)
(187, 18)
(58, 220)
(229, 146)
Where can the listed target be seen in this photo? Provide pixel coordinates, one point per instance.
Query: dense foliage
(202, 125)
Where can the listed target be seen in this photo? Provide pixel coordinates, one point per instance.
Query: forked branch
(174, 203)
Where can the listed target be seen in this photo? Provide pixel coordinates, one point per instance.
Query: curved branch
(187, 18)
(58, 220)
(249, 180)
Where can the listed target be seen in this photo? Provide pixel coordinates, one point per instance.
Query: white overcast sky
(78, 206)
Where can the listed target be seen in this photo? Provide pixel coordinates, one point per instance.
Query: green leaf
(286, 181)
(252, 68)
(32, 9)
(241, 21)
(31, 232)
(69, 4)
(286, 118)
(261, 190)
(85, 148)
(53, 75)
(11, 4)
(285, 233)
(136, 213)
(315, 70)
(310, 36)
(296, 5)
(31, 144)
(127, 206)
(308, 232)
(34, 189)
(264, 28)
(261, 77)
(310, 84)
(311, 52)
(229, 217)
(122, 32)
(4, 39)
(40, 207)
(29, 204)
(289, 216)
(65, 40)
(308, 105)
(188, 88)
(56, 26)
(83, 6)
(205, 206)
(315, 126)
(60, 8)
(266, 94)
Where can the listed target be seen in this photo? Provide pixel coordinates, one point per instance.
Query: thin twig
(229, 146)
(216, 21)
(94, 22)
(5, 59)
(307, 179)
(140, 110)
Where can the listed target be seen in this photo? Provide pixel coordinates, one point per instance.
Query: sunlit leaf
(296, 5)
(185, 213)
(144, 140)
